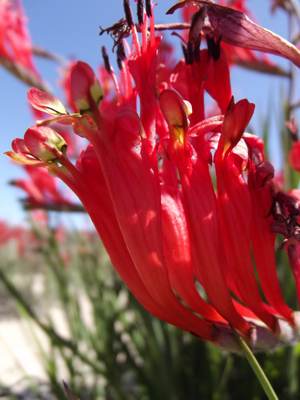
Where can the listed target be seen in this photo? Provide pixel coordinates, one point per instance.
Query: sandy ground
(19, 356)
(23, 345)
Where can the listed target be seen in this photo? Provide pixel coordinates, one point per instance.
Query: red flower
(182, 203)
(17, 234)
(15, 43)
(42, 191)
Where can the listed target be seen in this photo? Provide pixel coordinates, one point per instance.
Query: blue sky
(70, 28)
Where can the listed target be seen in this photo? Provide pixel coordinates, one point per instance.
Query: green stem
(257, 369)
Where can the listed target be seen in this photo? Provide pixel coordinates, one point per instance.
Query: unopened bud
(86, 91)
(45, 102)
(175, 110)
(44, 143)
(236, 119)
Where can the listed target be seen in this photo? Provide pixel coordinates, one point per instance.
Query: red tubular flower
(42, 191)
(15, 43)
(17, 234)
(183, 204)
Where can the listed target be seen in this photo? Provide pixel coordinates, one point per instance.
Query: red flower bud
(45, 102)
(86, 92)
(236, 119)
(44, 143)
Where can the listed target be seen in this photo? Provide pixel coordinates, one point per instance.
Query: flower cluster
(185, 204)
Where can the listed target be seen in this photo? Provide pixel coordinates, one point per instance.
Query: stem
(23, 74)
(257, 369)
(40, 52)
(172, 26)
(53, 207)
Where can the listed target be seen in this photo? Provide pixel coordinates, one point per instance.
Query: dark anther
(140, 11)
(121, 51)
(190, 52)
(128, 14)
(197, 24)
(121, 56)
(196, 50)
(197, 53)
(185, 53)
(106, 59)
(214, 47)
(120, 63)
(148, 8)
(195, 35)
(193, 51)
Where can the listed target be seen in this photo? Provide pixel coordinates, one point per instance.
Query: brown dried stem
(23, 74)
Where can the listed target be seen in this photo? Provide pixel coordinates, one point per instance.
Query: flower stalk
(257, 369)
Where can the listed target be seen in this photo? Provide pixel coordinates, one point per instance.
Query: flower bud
(86, 91)
(236, 119)
(176, 111)
(45, 102)
(45, 143)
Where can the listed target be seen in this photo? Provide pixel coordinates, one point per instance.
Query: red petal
(45, 102)
(236, 119)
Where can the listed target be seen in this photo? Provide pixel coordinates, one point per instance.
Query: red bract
(15, 43)
(182, 203)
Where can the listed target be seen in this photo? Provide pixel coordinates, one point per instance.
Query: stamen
(194, 41)
(106, 62)
(125, 77)
(144, 31)
(120, 63)
(214, 47)
(121, 56)
(197, 52)
(179, 36)
(190, 53)
(128, 14)
(110, 70)
(148, 8)
(197, 25)
(140, 11)
(121, 51)
(185, 53)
